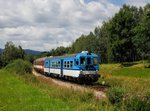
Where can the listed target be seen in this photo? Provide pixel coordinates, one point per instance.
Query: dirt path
(98, 92)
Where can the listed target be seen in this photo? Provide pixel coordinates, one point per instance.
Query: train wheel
(80, 81)
(75, 80)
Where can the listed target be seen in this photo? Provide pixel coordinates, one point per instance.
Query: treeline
(123, 38)
(12, 52)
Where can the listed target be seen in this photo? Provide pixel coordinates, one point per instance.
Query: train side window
(71, 64)
(46, 64)
(68, 63)
(50, 64)
(55, 64)
(64, 64)
(58, 64)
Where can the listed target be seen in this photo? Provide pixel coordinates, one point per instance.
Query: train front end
(88, 66)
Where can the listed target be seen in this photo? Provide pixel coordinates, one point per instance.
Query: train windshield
(88, 61)
(82, 60)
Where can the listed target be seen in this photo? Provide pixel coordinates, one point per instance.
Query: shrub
(115, 95)
(138, 103)
(20, 67)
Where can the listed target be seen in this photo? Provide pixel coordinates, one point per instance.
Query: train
(81, 67)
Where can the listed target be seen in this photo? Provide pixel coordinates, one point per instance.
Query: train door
(49, 67)
(61, 67)
(42, 63)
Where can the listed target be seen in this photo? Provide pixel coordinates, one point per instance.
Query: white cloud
(138, 3)
(47, 24)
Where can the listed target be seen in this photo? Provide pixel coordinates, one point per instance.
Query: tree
(29, 57)
(142, 37)
(102, 35)
(85, 43)
(11, 52)
(60, 51)
(120, 44)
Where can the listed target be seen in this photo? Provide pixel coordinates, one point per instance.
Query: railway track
(97, 89)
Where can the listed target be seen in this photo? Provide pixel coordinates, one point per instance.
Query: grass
(27, 93)
(130, 79)
(15, 95)
(134, 69)
(132, 72)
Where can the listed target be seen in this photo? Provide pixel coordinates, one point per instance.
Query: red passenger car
(39, 65)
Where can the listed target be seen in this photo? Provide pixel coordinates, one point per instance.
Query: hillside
(27, 51)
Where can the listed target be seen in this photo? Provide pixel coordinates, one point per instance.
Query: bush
(138, 103)
(20, 67)
(115, 95)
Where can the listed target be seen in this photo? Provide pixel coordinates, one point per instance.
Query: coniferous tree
(102, 35)
(142, 37)
(121, 46)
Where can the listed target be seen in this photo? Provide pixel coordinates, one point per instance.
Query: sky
(45, 24)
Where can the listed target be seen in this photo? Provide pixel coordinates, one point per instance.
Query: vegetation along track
(97, 89)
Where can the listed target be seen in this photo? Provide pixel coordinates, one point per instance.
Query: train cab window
(82, 60)
(88, 60)
(95, 61)
(76, 62)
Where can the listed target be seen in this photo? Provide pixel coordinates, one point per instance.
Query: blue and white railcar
(82, 66)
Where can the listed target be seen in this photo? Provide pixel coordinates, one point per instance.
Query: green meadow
(128, 89)
(27, 93)
(133, 69)
(129, 85)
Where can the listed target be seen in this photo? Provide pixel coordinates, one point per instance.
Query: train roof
(83, 53)
(64, 56)
(41, 59)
